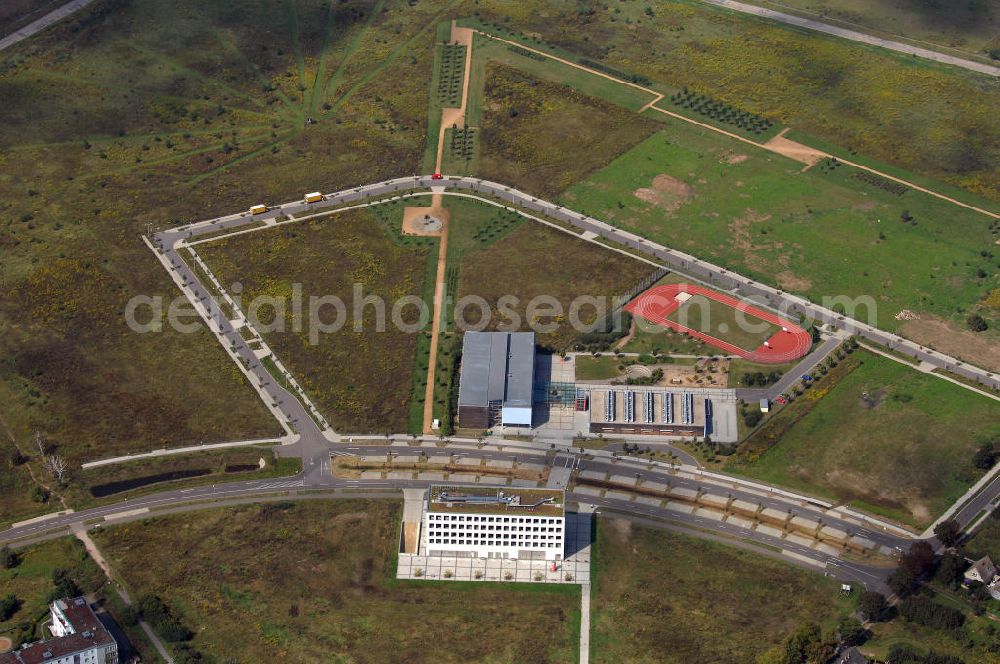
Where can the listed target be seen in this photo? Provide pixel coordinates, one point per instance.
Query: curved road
(315, 446)
(714, 275)
(317, 481)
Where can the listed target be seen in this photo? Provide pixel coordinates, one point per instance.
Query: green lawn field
(597, 368)
(649, 337)
(821, 233)
(313, 582)
(31, 582)
(885, 437)
(721, 321)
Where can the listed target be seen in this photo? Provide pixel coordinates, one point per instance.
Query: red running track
(785, 345)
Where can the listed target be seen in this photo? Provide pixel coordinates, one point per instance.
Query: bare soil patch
(425, 221)
(872, 400)
(627, 338)
(666, 192)
(621, 528)
(5, 643)
(348, 518)
(978, 348)
(734, 159)
(800, 153)
(792, 282)
(860, 486)
(703, 373)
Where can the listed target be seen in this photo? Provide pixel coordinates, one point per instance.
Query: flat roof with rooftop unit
(663, 411)
(494, 522)
(495, 500)
(496, 383)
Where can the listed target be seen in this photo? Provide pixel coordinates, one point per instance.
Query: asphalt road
(315, 449)
(854, 35)
(752, 395)
(317, 482)
(35, 27)
(713, 275)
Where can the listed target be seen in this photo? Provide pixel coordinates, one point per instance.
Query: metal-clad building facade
(497, 379)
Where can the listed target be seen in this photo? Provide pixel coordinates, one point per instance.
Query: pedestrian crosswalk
(288, 484)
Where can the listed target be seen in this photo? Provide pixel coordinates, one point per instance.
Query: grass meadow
(878, 434)
(741, 329)
(360, 377)
(820, 233)
(313, 581)
(542, 137)
(665, 597)
(535, 260)
(132, 113)
(921, 116)
(30, 581)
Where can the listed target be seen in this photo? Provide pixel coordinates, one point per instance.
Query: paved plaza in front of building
(575, 568)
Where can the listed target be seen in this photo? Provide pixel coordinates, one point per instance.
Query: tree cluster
(806, 645)
(925, 611)
(8, 559)
(9, 606)
(914, 565)
(902, 654)
(985, 456)
(760, 378)
(976, 323)
(63, 585)
(158, 615)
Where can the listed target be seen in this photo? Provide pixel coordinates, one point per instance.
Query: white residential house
(983, 571)
(78, 637)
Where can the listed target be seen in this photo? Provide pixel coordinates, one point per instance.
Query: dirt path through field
(449, 116)
(456, 116)
(81, 534)
(789, 148)
(439, 280)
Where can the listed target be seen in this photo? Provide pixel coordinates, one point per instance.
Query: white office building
(494, 522)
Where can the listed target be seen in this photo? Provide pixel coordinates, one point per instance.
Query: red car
(437, 176)
(781, 399)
